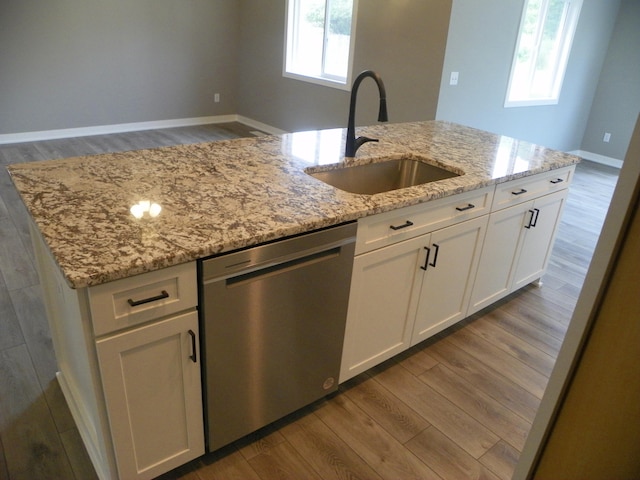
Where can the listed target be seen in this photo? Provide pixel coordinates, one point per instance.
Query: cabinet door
(502, 245)
(448, 278)
(538, 241)
(151, 380)
(384, 286)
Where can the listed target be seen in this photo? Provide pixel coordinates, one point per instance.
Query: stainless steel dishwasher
(273, 320)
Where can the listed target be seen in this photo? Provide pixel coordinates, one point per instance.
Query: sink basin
(383, 176)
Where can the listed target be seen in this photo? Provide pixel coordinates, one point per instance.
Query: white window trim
(572, 19)
(327, 82)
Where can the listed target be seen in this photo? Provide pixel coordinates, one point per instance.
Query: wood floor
(459, 405)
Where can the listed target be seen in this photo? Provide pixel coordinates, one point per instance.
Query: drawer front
(384, 229)
(141, 298)
(525, 189)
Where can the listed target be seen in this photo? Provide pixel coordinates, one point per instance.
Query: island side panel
(79, 378)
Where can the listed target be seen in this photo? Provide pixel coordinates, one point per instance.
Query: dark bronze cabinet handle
(193, 347)
(520, 192)
(468, 207)
(406, 224)
(557, 180)
(135, 303)
(435, 255)
(534, 218)
(426, 260)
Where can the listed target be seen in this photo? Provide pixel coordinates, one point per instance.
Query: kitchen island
(220, 196)
(99, 221)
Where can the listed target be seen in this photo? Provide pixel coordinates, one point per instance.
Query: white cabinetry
(423, 268)
(449, 271)
(129, 366)
(390, 283)
(151, 378)
(519, 238)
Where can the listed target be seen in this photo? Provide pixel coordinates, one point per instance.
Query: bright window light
(542, 51)
(319, 42)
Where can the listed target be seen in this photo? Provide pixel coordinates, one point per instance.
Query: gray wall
(77, 63)
(617, 100)
(480, 46)
(404, 40)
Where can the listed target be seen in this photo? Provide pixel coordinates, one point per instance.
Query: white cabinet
(449, 271)
(538, 238)
(390, 284)
(420, 269)
(519, 238)
(151, 378)
(147, 344)
(129, 366)
(384, 285)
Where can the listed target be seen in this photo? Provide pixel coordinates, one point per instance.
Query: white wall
(480, 45)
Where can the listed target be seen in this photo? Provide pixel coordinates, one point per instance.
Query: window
(318, 43)
(542, 51)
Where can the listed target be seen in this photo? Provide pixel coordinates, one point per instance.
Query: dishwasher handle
(276, 253)
(283, 267)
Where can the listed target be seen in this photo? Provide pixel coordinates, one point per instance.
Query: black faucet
(354, 143)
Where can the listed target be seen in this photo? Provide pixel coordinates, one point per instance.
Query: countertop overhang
(220, 196)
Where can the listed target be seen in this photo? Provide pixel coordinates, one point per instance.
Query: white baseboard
(132, 127)
(259, 125)
(597, 158)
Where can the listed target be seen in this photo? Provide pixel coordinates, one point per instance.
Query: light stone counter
(220, 196)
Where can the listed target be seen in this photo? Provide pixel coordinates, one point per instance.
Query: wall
(78, 63)
(587, 424)
(617, 99)
(480, 46)
(404, 40)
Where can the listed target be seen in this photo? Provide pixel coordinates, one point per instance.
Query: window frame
(328, 80)
(566, 42)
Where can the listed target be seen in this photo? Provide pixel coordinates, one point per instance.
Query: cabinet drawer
(386, 228)
(525, 189)
(130, 301)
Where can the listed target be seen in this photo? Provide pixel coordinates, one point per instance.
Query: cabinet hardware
(408, 223)
(193, 347)
(520, 192)
(535, 220)
(426, 260)
(435, 255)
(468, 207)
(557, 180)
(135, 303)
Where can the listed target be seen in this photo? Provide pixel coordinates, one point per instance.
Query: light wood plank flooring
(459, 405)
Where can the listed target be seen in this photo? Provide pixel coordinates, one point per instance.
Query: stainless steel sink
(383, 176)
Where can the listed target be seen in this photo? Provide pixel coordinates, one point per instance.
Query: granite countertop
(216, 197)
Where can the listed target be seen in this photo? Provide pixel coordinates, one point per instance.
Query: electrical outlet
(216, 97)
(453, 80)
(607, 137)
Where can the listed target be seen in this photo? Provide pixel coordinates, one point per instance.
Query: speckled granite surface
(220, 196)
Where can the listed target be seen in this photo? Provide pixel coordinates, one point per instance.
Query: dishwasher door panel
(273, 341)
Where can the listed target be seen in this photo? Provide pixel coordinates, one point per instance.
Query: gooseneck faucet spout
(354, 143)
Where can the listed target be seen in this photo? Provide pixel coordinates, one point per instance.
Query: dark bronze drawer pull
(193, 347)
(426, 260)
(468, 207)
(435, 255)
(522, 190)
(404, 225)
(557, 180)
(135, 303)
